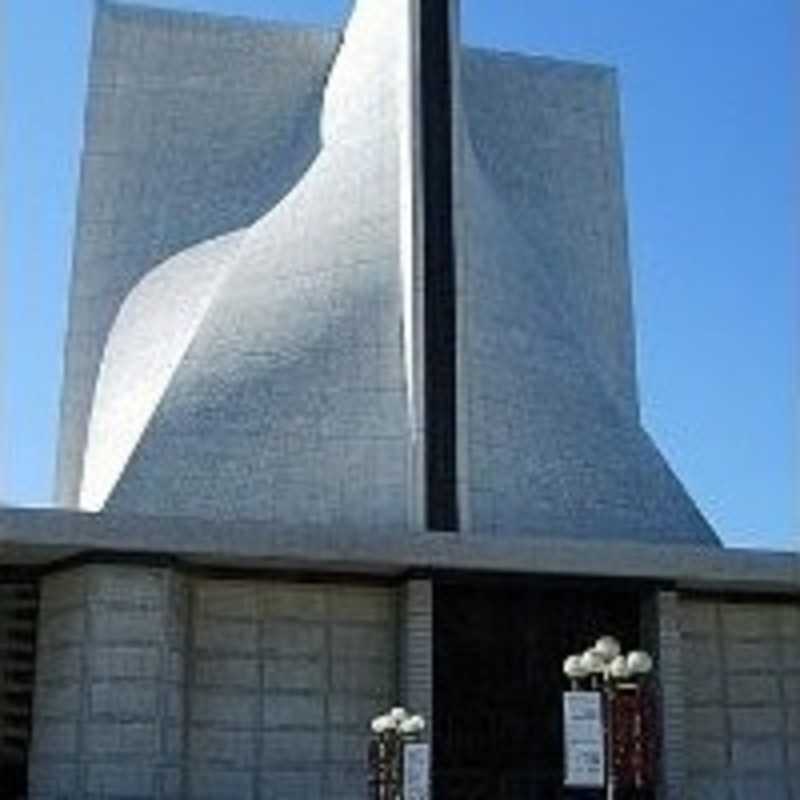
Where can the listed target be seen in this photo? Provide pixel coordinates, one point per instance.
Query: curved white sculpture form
(273, 372)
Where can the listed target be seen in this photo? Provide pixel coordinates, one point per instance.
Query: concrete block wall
(741, 666)
(662, 637)
(109, 682)
(152, 684)
(416, 647)
(283, 681)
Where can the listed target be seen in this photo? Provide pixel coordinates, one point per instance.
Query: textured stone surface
(106, 698)
(741, 710)
(282, 382)
(195, 126)
(246, 688)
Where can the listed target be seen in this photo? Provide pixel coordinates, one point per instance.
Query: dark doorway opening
(499, 647)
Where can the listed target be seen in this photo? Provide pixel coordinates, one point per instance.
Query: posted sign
(416, 767)
(584, 745)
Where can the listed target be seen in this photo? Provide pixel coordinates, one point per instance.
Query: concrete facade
(741, 689)
(286, 382)
(155, 684)
(247, 569)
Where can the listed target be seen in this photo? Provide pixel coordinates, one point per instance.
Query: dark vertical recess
(439, 255)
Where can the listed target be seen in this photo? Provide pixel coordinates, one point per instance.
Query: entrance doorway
(499, 647)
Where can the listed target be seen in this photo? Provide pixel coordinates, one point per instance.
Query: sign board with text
(416, 771)
(584, 742)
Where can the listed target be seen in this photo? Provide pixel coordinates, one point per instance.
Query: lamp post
(391, 732)
(606, 667)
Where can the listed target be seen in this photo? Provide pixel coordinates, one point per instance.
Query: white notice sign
(584, 744)
(416, 767)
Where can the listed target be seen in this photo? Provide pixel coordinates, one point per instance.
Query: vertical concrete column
(416, 648)
(662, 636)
(108, 702)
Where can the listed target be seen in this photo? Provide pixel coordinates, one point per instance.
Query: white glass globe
(619, 668)
(593, 662)
(573, 668)
(608, 647)
(413, 724)
(398, 714)
(639, 662)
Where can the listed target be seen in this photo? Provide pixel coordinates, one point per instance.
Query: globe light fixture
(607, 667)
(639, 662)
(608, 648)
(593, 662)
(392, 731)
(619, 668)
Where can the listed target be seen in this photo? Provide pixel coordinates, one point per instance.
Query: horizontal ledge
(40, 538)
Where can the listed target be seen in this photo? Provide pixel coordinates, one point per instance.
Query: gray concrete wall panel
(154, 685)
(741, 678)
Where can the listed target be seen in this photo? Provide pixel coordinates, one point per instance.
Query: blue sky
(712, 145)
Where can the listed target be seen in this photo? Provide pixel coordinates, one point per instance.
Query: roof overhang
(42, 539)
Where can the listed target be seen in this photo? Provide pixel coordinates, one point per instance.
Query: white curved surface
(153, 330)
(281, 388)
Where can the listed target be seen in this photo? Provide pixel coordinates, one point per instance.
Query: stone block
(293, 601)
(789, 622)
(224, 708)
(124, 662)
(128, 781)
(64, 590)
(127, 740)
(220, 784)
(705, 788)
(790, 654)
(109, 625)
(707, 754)
(698, 618)
(127, 586)
(285, 785)
(51, 738)
(349, 747)
(368, 641)
(58, 663)
(226, 637)
(345, 784)
(367, 677)
(54, 781)
(58, 701)
(755, 721)
(235, 748)
(282, 638)
(791, 689)
(294, 673)
(355, 710)
(363, 605)
(293, 747)
(749, 788)
(63, 627)
(175, 702)
(757, 754)
(231, 673)
(793, 751)
(748, 690)
(124, 699)
(705, 723)
(227, 599)
(752, 656)
(171, 784)
(293, 710)
(748, 621)
(792, 720)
